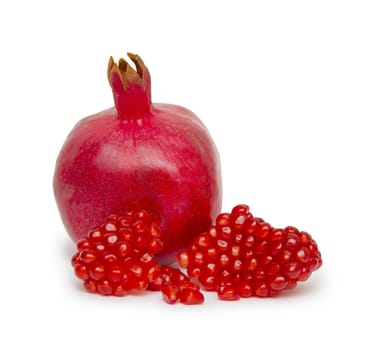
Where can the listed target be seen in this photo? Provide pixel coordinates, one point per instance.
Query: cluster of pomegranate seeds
(118, 256)
(244, 256)
(238, 257)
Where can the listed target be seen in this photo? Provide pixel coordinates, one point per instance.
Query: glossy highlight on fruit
(139, 155)
(243, 256)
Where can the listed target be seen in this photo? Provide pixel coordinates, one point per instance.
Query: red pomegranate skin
(139, 155)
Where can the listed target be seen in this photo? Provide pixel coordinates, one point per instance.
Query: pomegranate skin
(157, 157)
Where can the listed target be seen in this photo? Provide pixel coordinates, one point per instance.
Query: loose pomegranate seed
(170, 293)
(118, 256)
(244, 256)
(177, 287)
(190, 297)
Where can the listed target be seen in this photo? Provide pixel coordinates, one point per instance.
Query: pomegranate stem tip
(131, 87)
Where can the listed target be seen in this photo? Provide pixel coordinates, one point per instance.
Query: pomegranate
(139, 155)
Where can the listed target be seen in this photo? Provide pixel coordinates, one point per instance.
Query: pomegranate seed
(155, 230)
(239, 222)
(110, 226)
(90, 286)
(156, 246)
(81, 272)
(83, 244)
(111, 239)
(291, 284)
(244, 289)
(153, 272)
(291, 230)
(191, 297)
(225, 277)
(292, 270)
(277, 234)
(87, 256)
(276, 248)
(259, 273)
(198, 258)
(252, 264)
(227, 291)
(170, 293)
(278, 283)
(203, 240)
(126, 235)
(224, 260)
(95, 235)
(183, 259)
(114, 273)
(124, 249)
(261, 248)
(194, 272)
(239, 210)
(212, 232)
(305, 274)
(212, 268)
(237, 265)
(303, 255)
(223, 220)
(262, 289)
(96, 271)
(272, 268)
(305, 237)
(235, 250)
(104, 287)
(147, 258)
(155, 285)
(138, 284)
(263, 231)
(292, 242)
(212, 253)
(222, 244)
(249, 241)
(75, 259)
(136, 270)
(120, 290)
(208, 282)
(226, 232)
(108, 258)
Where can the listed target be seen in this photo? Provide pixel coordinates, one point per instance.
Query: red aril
(139, 155)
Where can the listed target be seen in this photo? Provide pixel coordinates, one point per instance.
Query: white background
(283, 87)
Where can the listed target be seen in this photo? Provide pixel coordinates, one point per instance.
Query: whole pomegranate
(139, 155)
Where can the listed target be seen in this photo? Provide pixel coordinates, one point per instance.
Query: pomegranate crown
(131, 88)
